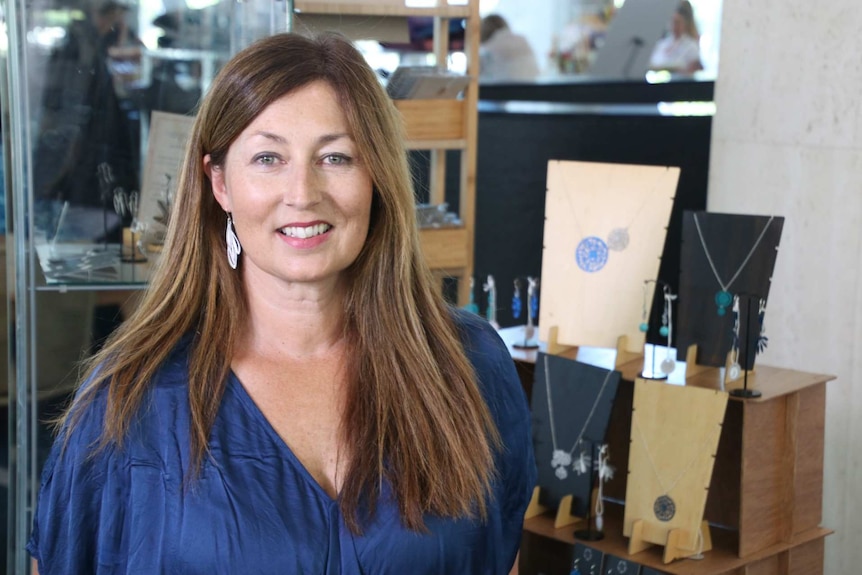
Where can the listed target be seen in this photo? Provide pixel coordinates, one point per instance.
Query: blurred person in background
(503, 54)
(679, 51)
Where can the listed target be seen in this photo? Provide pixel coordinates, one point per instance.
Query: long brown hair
(414, 414)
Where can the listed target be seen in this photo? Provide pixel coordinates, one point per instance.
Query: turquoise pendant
(643, 327)
(722, 300)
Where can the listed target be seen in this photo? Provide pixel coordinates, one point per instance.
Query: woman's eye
(337, 159)
(265, 159)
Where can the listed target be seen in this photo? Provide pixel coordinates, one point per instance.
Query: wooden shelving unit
(765, 498)
(434, 125)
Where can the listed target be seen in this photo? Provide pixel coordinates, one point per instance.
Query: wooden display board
(743, 249)
(605, 227)
(578, 405)
(674, 437)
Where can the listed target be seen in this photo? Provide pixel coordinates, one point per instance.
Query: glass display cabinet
(82, 82)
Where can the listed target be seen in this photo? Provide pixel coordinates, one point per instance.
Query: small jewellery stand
(529, 341)
(748, 339)
(571, 408)
(667, 364)
(746, 307)
(674, 437)
(623, 355)
(490, 287)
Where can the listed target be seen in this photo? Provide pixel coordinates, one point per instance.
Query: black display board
(743, 250)
(587, 560)
(581, 398)
(617, 566)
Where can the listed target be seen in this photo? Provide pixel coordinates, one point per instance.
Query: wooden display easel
(700, 413)
(563, 515)
(678, 544)
(623, 356)
(605, 229)
(692, 368)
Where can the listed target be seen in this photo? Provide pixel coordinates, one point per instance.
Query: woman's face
(299, 195)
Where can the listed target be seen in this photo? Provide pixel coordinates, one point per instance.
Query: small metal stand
(590, 534)
(744, 392)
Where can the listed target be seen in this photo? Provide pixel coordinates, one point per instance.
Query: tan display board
(674, 437)
(605, 228)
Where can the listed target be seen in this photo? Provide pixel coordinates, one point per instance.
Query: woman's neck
(295, 322)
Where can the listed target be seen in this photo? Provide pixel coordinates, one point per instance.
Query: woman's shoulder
(478, 336)
(493, 364)
(165, 400)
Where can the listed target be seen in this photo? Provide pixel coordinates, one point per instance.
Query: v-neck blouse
(254, 508)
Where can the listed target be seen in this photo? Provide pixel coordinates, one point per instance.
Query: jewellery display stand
(571, 407)
(674, 438)
(529, 341)
(743, 340)
(692, 368)
(721, 255)
(605, 229)
(588, 533)
(765, 499)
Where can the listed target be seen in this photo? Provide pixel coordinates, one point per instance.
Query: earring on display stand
(491, 312)
(742, 341)
(529, 341)
(516, 300)
(606, 473)
(471, 304)
(762, 340)
(668, 364)
(649, 370)
(734, 369)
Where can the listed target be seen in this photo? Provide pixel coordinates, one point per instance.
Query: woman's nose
(303, 186)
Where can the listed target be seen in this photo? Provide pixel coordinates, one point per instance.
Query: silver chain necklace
(560, 459)
(664, 507)
(723, 298)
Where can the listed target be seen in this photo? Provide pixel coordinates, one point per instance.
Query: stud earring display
(234, 248)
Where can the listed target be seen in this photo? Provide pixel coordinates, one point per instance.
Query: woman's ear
(216, 176)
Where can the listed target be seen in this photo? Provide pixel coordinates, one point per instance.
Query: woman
(317, 409)
(504, 55)
(679, 51)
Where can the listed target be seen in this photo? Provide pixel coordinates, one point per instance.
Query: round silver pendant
(618, 239)
(667, 366)
(664, 508)
(734, 371)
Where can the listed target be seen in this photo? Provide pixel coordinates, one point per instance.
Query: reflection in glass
(86, 77)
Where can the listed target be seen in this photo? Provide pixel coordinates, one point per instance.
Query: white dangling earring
(233, 246)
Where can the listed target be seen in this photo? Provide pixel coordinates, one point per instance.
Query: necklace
(561, 459)
(723, 298)
(591, 253)
(664, 507)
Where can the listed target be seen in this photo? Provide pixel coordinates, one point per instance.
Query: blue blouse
(254, 507)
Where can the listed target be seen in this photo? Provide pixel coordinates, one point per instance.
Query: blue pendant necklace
(723, 297)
